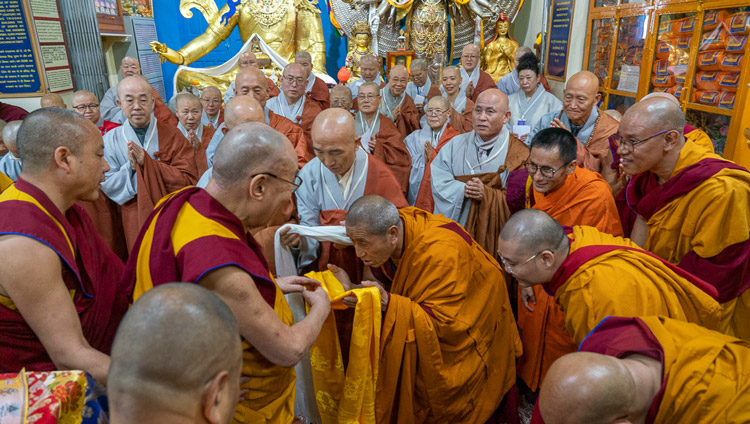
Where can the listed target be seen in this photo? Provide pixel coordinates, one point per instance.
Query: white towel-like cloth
(304, 401)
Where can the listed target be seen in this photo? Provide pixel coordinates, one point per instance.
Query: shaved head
(302, 55)
(129, 66)
(599, 386)
(661, 95)
(36, 145)
(614, 113)
(370, 60)
(490, 113)
(248, 60)
(186, 98)
(657, 112)
(369, 67)
(340, 96)
(10, 135)
(250, 148)
(440, 102)
(52, 100)
(171, 345)
(3, 147)
(470, 57)
(334, 138)
(253, 82)
(418, 64)
(241, 109)
(532, 230)
(580, 97)
(397, 80)
(188, 110)
(586, 80)
(374, 214)
(304, 59)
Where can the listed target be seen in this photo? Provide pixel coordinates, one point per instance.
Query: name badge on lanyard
(521, 122)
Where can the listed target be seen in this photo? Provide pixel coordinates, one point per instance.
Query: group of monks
(514, 248)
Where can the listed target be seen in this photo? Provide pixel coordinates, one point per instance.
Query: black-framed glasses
(296, 183)
(632, 143)
(90, 106)
(291, 80)
(546, 171)
(435, 112)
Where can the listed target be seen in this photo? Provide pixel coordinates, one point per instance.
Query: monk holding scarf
(200, 236)
(693, 206)
(578, 266)
(199, 135)
(60, 300)
(148, 158)
(448, 341)
(396, 104)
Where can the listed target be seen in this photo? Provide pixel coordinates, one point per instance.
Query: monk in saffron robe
(316, 90)
(396, 104)
(421, 88)
(380, 137)
(693, 206)
(572, 196)
(208, 344)
(292, 103)
(341, 173)
(424, 145)
(199, 236)
(650, 369)
(469, 174)
(591, 127)
(475, 80)
(148, 158)
(448, 338)
(578, 269)
(104, 213)
(60, 297)
(212, 114)
(249, 60)
(5, 182)
(188, 112)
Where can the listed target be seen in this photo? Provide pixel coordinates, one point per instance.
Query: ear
(671, 140)
(62, 158)
(213, 397)
(506, 118)
(548, 258)
(257, 187)
(393, 232)
(571, 167)
(598, 98)
(119, 104)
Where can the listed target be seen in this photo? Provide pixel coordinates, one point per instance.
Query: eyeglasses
(546, 171)
(435, 112)
(509, 268)
(362, 97)
(292, 80)
(296, 183)
(90, 106)
(632, 143)
(212, 102)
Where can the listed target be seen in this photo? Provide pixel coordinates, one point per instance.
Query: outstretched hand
(296, 284)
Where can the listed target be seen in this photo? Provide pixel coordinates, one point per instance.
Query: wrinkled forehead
(84, 98)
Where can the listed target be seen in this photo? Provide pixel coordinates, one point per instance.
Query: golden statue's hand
(165, 53)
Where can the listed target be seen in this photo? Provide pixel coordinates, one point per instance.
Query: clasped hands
(136, 155)
(474, 189)
(351, 301)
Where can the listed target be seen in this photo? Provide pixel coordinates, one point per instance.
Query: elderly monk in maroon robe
(189, 112)
(148, 158)
(396, 104)
(292, 103)
(315, 90)
(379, 136)
(60, 298)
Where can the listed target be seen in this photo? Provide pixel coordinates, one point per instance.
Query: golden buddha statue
(287, 26)
(360, 48)
(497, 57)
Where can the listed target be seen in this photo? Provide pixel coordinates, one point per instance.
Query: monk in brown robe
(396, 104)
(148, 158)
(292, 102)
(421, 88)
(213, 114)
(572, 196)
(379, 136)
(189, 112)
(475, 79)
(316, 90)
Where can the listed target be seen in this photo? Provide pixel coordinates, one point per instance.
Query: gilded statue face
(419, 76)
(502, 27)
(189, 114)
(451, 81)
(362, 40)
(369, 70)
(368, 99)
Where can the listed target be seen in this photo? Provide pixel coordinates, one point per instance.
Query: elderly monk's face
(398, 80)
(470, 58)
(451, 81)
(515, 261)
(136, 102)
(90, 166)
(341, 99)
(189, 114)
(579, 98)
(211, 101)
(490, 114)
(306, 65)
(369, 70)
(368, 99)
(547, 162)
(294, 82)
(336, 150)
(87, 105)
(252, 85)
(248, 60)
(643, 156)
(373, 249)
(419, 76)
(437, 114)
(129, 67)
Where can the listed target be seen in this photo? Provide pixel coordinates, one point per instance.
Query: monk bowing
(448, 338)
(650, 369)
(60, 297)
(578, 266)
(200, 236)
(424, 144)
(693, 206)
(396, 104)
(572, 196)
(469, 174)
(316, 90)
(148, 158)
(198, 134)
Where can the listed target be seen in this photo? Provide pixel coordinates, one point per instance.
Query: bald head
(372, 214)
(334, 140)
(580, 97)
(369, 66)
(187, 98)
(490, 113)
(251, 148)
(37, 148)
(340, 96)
(614, 113)
(335, 121)
(304, 59)
(369, 59)
(252, 82)
(662, 95)
(157, 368)
(129, 66)
(532, 229)
(584, 80)
(600, 387)
(418, 64)
(656, 113)
(470, 57)
(52, 100)
(248, 60)
(3, 147)
(397, 79)
(294, 82)
(439, 102)
(10, 135)
(240, 109)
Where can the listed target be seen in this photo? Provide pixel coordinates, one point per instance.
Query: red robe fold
(463, 122)
(319, 94)
(484, 82)
(424, 200)
(390, 148)
(408, 120)
(273, 89)
(305, 121)
(89, 270)
(161, 110)
(295, 134)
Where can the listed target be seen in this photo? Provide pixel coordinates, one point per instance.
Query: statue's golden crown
(361, 27)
